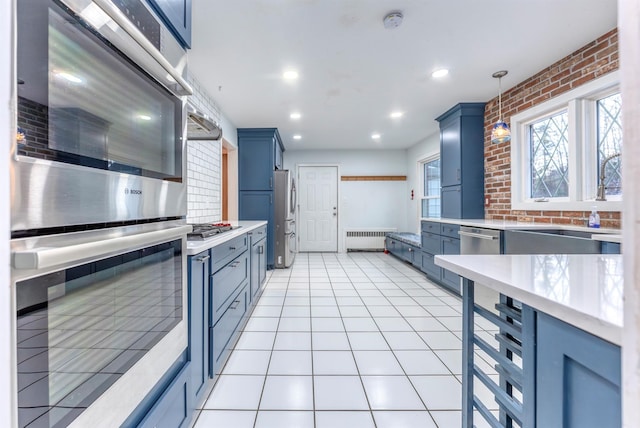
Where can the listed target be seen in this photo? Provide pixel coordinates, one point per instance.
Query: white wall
(8, 133)
(363, 204)
(428, 147)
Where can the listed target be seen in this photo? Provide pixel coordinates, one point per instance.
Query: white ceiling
(354, 72)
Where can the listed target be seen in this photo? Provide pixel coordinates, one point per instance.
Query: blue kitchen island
(555, 359)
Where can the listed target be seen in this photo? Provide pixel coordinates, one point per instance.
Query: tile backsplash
(204, 167)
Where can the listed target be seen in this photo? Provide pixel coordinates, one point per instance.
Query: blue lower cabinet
(172, 409)
(578, 377)
(226, 329)
(198, 275)
(451, 246)
(610, 248)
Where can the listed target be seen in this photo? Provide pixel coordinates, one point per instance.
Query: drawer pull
(232, 248)
(235, 264)
(202, 259)
(260, 249)
(234, 305)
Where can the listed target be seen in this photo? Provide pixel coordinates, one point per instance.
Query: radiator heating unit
(365, 240)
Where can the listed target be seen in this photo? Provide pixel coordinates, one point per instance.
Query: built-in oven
(100, 317)
(101, 115)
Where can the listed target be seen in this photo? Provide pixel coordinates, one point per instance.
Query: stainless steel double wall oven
(98, 202)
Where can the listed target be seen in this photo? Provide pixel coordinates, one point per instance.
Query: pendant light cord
(500, 98)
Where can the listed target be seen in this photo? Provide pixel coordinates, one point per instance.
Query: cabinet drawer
(171, 410)
(431, 243)
(391, 245)
(224, 331)
(450, 230)
(225, 282)
(431, 227)
(258, 234)
(450, 245)
(429, 267)
(224, 253)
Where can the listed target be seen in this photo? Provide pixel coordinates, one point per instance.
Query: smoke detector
(392, 20)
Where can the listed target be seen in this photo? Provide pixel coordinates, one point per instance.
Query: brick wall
(587, 63)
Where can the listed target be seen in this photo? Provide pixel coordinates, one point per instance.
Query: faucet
(601, 189)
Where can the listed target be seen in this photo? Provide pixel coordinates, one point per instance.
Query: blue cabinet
(578, 377)
(172, 409)
(258, 243)
(176, 15)
(198, 275)
(610, 248)
(439, 238)
(462, 161)
(260, 152)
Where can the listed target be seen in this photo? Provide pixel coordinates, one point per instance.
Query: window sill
(567, 205)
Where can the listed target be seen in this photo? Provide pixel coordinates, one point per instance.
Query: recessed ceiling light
(396, 114)
(375, 136)
(440, 73)
(297, 137)
(144, 117)
(290, 75)
(295, 115)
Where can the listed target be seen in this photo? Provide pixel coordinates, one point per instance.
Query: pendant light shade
(501, 132)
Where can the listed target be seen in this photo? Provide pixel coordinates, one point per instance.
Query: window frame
(580, 104)
(421, 174)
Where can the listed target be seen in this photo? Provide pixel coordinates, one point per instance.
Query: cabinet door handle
(203, 259)
(270, 182)
(260, 249)
(458, 174)
(234, 305)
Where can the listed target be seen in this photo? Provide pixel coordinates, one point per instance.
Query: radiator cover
(366, 240)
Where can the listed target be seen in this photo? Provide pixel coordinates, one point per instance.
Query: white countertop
(582, 290)
(608, 238)
(198, 246)
(519, 225)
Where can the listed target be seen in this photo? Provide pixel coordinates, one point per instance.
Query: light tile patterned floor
(351, 340)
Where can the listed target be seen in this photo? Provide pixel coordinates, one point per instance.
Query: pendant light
(501, 132)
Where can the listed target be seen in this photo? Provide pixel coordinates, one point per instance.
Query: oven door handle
(116, 14)
(46, 257)
(477, 235)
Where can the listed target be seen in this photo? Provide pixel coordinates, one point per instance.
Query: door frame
(339, 242)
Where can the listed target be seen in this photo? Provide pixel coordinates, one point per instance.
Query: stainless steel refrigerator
(284, 195)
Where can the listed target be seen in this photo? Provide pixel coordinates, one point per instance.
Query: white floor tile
(294, 324)
(325, 311)
(281, 419)
(377, 363)
(290, 363)
(439, 392)
(413, 311)
(426, 324)
(421, 363)
(262, 324)
(452, 323)
(330, 341)
(247, 362)
(344, 419)
(349, 301)
(441, 340)
(327, 324)
(393, 324)
(339, 393)
(323, 301)
(235, 392)
(296, 311)
(271, 301)
(391, 393)
(292, 341)
(360, 324)
(266, 311)
(405, 341)
(256, 340)
(287, 393)
(404, 420)
(383, 311)
(446, 419)
(354, 312)
(334, 363)
(296, 301)
(225, 419)
(442, 311)
(367, 341)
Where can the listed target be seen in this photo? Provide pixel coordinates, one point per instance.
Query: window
(558, 148)
(430, 192)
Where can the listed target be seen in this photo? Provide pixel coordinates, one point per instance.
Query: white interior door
(318, 204)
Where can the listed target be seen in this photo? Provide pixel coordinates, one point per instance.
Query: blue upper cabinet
(462, 161)
(176, 14)
(259, 154)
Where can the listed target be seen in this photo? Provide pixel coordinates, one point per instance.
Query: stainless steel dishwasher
(475, 240)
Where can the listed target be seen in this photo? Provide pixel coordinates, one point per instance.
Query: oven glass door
(81, 102)
(80, 329)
